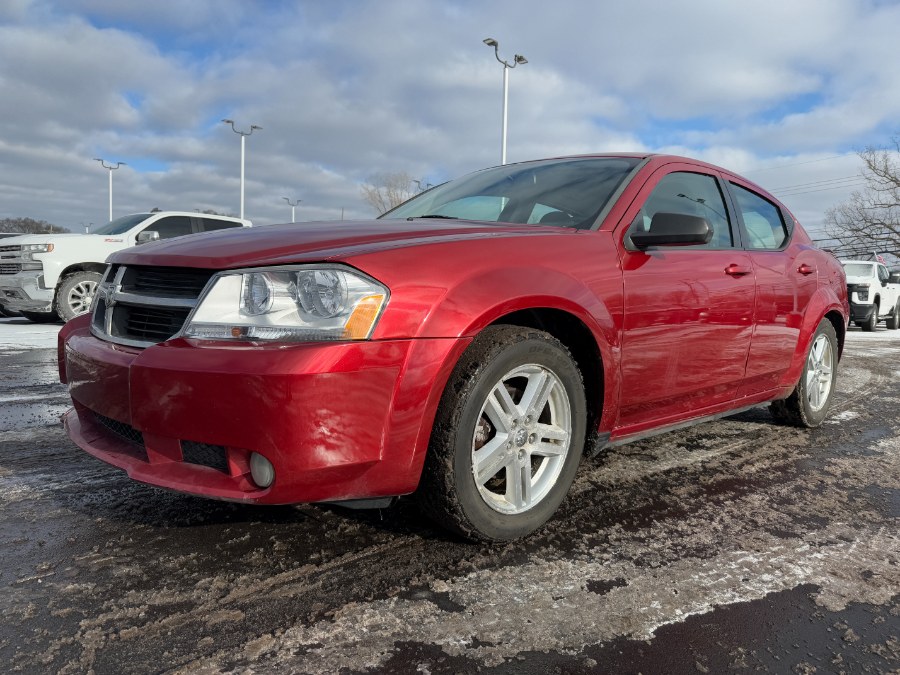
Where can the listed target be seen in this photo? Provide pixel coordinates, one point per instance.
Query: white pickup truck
(47, 277)
(874, 294)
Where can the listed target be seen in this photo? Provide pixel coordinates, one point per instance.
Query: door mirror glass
(147, 235)
(673, 229)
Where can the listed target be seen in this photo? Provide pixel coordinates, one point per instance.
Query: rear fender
(824, 300)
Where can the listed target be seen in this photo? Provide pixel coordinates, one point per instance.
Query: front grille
(10, 268)
(10, 249)
(124, 431)
(170, 282)
(143, 306)
(150, 324)
(204, 454)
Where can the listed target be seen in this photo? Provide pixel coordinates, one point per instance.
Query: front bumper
(25, 292)
(861, 313)
(338, 421)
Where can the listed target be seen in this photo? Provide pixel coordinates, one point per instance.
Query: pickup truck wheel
(869, 325)
(808, 404)
(507, 438)
(75, 294)
(893, 321)
(41, 317)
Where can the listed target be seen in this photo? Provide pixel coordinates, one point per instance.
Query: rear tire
(808, 404)
(508, 436)
(893, 321)
(41, 317)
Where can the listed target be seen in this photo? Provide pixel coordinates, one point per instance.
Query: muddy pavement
(737, 544)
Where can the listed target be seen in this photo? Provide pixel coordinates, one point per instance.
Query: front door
(688, 311)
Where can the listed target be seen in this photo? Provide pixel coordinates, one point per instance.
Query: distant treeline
(29, 226)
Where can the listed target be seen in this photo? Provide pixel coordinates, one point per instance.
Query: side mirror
(894, 278)
(147, 235)
(673, 229)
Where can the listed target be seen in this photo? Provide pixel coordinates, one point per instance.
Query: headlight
(36, 248)
(289, 304)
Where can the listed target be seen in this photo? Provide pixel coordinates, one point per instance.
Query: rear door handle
(737, 270)
(805, 269)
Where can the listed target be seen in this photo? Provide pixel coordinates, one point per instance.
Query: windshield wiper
(434, 215)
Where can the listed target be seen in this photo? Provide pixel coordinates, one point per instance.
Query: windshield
(561, 192)
(123, 224)
(858, 269)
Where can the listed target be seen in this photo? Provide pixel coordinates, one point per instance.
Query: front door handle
(805, 269)
(737, 270)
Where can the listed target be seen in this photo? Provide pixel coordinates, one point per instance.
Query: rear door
(786, 279)
(688, 310)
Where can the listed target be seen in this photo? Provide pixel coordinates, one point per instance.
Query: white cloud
(346, 89)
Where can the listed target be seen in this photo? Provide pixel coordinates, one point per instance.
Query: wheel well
(839, 329)
(99, 268)
(579, 340)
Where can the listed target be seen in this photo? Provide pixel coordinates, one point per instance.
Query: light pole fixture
(243, 135)
(518, 59)
(109, 168)
(293, 206)
(422, 185)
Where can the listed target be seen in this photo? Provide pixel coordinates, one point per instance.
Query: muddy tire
(41, 317)
(75, 293)
(893, 321)
(808, 404)
(508, 436)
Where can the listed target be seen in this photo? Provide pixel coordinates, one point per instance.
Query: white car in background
(48, 277)
(874, 294)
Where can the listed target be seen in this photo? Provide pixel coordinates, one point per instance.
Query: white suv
(48, 277)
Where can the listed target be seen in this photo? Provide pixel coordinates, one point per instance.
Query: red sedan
(469, 346)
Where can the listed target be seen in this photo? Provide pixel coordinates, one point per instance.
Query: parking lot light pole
(243, 135)
(109, 168)
(293, 206)
(518, 59)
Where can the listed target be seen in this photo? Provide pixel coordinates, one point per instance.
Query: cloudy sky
(783, 92)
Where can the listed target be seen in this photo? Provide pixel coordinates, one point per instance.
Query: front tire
(893, 321)
(75, 294)
(507, 438)
(808, 404)
(869, 325)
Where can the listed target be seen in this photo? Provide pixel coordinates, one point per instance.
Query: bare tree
(384, 191)
(869, 221)
(29, 226)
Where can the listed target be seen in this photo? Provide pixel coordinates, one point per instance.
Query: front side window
(691, 194)
(762, 220)
(172, 226)
(210, 224)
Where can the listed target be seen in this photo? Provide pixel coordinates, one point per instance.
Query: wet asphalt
(735, 545)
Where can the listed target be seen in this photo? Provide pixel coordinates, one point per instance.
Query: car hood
(23, 239)
(309, 242)
(866, 279)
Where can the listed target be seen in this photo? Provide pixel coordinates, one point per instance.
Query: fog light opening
(261, 470)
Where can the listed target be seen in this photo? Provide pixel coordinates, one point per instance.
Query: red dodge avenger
(468, 346)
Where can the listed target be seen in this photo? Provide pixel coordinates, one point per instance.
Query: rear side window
(762, 220)
(172, 226)
(210, 224)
